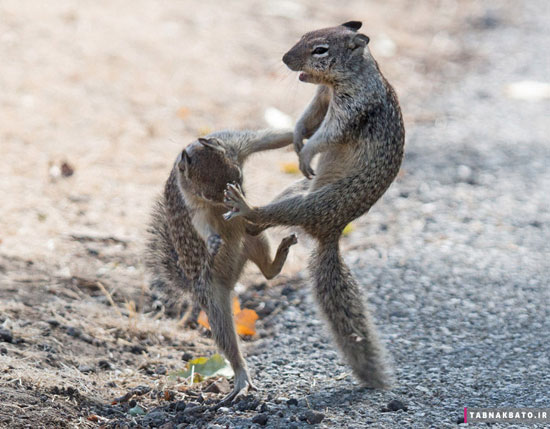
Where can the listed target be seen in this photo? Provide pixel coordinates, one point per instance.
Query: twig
(192, 375)
(109, 297)
(97, 238)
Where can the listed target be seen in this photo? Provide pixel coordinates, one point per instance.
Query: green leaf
(206, 367)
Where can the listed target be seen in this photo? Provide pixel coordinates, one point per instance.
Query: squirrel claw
(230, 214)
(307, 171)
(243, 385)
(235, 201)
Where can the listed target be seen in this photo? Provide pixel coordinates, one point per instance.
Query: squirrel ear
(353, 25)
(359, 41)
(212, 143)
(183, 160)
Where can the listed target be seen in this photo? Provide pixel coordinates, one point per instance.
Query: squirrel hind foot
(243, 385)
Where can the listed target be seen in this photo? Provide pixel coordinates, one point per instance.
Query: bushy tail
(167, 278)
(340, 300)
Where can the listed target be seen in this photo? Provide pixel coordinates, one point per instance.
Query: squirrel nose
(285, 58)
(292, 60)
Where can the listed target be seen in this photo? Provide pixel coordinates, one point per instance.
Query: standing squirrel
(354, 122)
(192, 248)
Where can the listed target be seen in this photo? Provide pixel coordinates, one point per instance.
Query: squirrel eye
(320, 50)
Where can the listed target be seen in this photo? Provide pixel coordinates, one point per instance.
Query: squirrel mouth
(303, 77)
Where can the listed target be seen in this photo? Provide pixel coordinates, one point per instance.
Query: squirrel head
(325, 56)
(206, 167)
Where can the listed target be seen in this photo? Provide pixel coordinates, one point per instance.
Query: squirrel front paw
(235, 201)
(298, 142)
(289, 241)
(305, 157)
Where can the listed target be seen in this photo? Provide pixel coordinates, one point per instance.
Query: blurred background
(116, 89)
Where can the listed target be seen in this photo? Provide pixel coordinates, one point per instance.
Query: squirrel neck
(359, 83)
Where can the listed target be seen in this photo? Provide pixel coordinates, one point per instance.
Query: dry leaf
(203, 320)
(245, 322)
(245, 319)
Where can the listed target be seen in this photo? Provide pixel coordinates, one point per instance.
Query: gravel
(6, 335)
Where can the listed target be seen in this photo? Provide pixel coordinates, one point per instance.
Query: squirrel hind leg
(191, 316)
(220, 316)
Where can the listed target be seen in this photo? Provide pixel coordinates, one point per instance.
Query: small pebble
(137, 349)
(104, 364)
(192, 407)
(314, 417)
(67, 170)
(74, 332)
(394, 405)
(85, 368)
(136, 411)
(219, 386)
(6, 336)
(292, 402)
(180, 406)
(260, 419)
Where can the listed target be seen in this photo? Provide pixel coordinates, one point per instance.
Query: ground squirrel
(355, 123)
(192, 248)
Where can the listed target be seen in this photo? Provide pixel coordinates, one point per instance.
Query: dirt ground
(114, 90)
